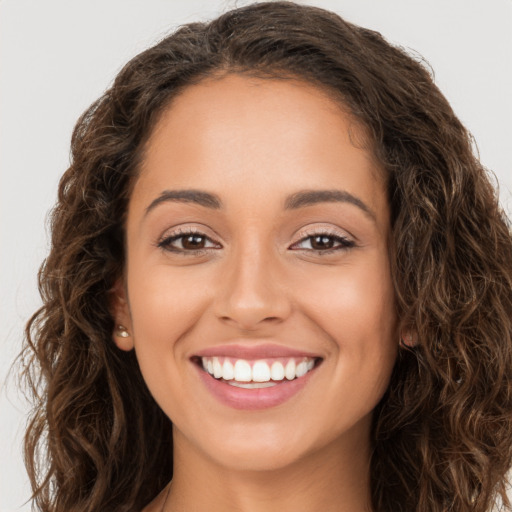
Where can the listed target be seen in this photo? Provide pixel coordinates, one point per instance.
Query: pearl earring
(122, 332)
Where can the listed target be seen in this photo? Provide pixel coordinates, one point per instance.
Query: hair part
(442, 434)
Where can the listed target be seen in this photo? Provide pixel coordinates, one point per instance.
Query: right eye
(187, 242)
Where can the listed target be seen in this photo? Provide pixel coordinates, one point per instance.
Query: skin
(253, 142)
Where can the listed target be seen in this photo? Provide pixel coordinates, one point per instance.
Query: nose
(251, 293)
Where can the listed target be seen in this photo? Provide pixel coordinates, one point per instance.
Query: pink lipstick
(255, 377)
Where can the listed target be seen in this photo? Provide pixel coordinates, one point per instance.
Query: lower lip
(252, 399)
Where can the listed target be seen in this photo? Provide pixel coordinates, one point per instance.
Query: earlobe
(408, 339)
(122, 337)
(120, 311)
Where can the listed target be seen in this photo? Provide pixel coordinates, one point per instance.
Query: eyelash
(344, 242)
(165, 244)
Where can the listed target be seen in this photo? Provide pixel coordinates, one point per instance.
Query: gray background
(57, 56)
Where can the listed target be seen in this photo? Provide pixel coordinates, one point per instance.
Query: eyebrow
(293, 202)
(311, 197)
(199, 197)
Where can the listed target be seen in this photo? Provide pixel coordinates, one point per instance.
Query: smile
(257, 374)
(254, 383)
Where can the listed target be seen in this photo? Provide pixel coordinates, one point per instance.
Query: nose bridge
(251, 288)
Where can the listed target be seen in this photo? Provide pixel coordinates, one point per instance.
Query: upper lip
(265, 351)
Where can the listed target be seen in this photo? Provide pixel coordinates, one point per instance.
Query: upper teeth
(242, 370)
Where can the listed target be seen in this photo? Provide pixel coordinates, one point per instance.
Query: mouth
(256, 374)
(255, 383)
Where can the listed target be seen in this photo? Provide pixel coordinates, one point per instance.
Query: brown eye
(188, 243)
(320, 242)
(324, 243)
(193, 242)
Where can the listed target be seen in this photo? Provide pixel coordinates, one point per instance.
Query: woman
(279, 280)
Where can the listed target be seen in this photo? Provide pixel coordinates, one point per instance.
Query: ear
(120, 311)
(408, 338)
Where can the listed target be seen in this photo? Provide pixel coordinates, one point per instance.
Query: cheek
(163, 299)
(164, 306)
(354, 299)
(354, 306)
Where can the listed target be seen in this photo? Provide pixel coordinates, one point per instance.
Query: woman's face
(257, 234)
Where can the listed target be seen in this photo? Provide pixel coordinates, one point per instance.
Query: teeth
(256, 374)
(260, 372)
(302, 369)
(289, 371)
(217, 368)
(228, 370)
(252, 385)
(277, 371)
(243, 371)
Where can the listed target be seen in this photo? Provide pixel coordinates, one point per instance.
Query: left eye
(187, 242)
(324, 242)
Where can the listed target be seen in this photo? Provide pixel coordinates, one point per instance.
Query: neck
(335, 478)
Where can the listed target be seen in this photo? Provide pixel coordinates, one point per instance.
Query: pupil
(193, 242)
(322, 242)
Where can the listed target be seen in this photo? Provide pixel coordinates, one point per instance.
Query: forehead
(242, 136)
(266, 100)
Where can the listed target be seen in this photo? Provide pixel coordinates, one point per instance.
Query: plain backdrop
(57, 56)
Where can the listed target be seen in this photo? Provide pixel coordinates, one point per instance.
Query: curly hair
(442, 434)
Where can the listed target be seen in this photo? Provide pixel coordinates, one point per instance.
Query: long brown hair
(442, 434)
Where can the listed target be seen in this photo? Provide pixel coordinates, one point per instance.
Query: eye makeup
(195, 243)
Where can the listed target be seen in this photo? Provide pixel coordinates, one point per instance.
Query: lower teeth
(251, 385)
